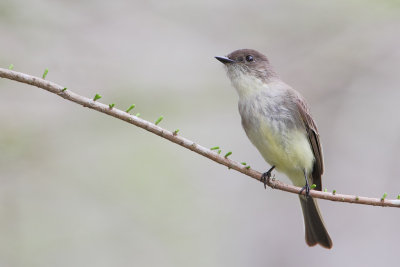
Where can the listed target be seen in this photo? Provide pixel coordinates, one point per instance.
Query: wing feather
(313, 137)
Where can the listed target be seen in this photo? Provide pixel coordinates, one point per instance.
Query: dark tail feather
(316, 232)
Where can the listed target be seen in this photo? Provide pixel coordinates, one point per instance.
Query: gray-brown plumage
(277, 121)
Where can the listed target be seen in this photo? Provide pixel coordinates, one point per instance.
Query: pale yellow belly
(289, 150)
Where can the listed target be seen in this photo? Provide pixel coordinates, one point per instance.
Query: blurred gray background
(78, 188)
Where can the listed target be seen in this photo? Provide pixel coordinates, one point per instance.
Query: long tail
(316, 232)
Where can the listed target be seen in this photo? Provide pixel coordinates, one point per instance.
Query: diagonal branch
(119, 114)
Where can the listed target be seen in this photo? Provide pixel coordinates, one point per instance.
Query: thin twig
(151, 127)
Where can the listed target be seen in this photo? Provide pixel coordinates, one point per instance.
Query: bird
(278, 122)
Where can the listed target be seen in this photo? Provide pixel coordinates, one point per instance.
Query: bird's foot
(266, 176)
(307, 188)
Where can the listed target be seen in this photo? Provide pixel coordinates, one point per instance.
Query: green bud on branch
(130, 108)
(159, 120)
(228, 154)
(96, 97)
(45, 73)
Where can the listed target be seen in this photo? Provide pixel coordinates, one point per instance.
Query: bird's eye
(249, 58)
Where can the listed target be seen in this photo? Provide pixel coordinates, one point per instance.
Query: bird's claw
(307, 188)
(266, 176)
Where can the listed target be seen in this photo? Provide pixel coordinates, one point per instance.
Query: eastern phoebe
(277, 121)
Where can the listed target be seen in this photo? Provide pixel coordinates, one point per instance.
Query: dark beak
(225, 60)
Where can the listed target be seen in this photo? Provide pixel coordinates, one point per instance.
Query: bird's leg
(266, 176)
(306, 187)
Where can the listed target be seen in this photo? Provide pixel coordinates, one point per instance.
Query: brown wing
(313, 137)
